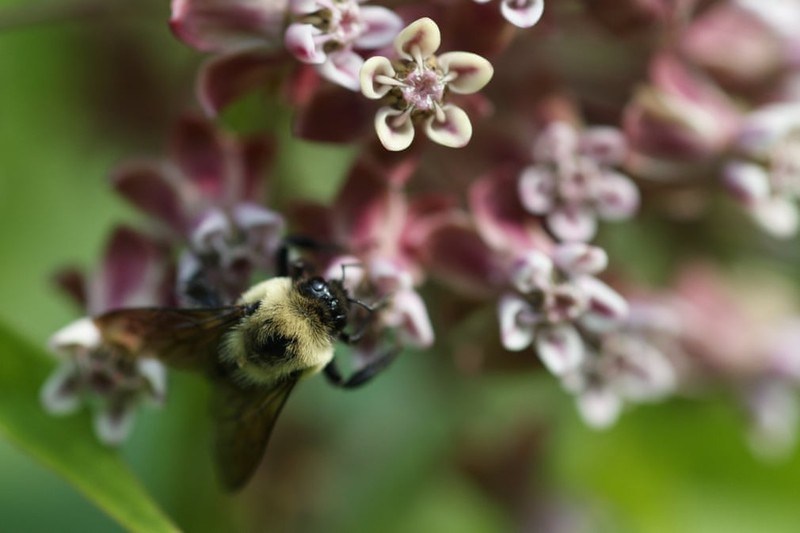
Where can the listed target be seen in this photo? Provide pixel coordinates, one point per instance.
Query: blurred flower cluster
(597, 207)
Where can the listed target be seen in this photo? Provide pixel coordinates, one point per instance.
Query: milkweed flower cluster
(571, 179)
(132, 274)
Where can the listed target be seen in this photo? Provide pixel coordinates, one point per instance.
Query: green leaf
(67, 445)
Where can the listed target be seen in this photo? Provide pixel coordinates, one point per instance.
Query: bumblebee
(281, 331)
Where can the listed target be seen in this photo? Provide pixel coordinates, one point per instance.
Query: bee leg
(363, 375)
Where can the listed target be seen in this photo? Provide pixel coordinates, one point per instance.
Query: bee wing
(245, 418)
(182, 338)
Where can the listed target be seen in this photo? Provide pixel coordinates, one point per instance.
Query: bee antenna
(370, 308)
(366, 306)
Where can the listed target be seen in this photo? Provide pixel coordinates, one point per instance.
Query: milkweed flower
(766, 180)
(377, 231)
(521, 13)
(133, 274)
(416, 87)
(573, 180)
(326, 32)
(624, 366)
(556, 297)
(208, 195)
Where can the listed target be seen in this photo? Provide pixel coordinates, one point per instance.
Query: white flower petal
(522, 14)
(774, 419)
(778, 216)
(370, 70)
(343, 68)
(382, 26)
(82, 333)
(762, 129)
(299, 40)
(155, 373)
(580, 258)
(748, 182)
(572, 224)
(616, 196)
(414, 325)
(112, 426)
(537, 190)
(454, 131)
(599, 406)
(560, 348)
(532, 270)
(472, 72)
(420, 37)
(396, 132)
(514, 337)
(606, 307)
(60, 395)
(604, 144)
(557, 141)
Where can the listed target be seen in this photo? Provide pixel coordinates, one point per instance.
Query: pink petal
(513, 335)
(258, 156)
(472, 72)
(500, 217)
(220, 25)
(147, 186)
(616, 196)
(537, 190)
(605, 145)
(454, 131)
(381, 26)
(72, 282)
(395, 131)
(225, 78)
(367, 210)
(198, 150)
(606, 307)
(320, 119)
(682, 115)
(578, 258)
(560, 348)
(370, 70)
(421, 37)
(299, 41)
(748, 182)
(522, 14)
(453, 252)
(342, 68)
(571, 224)
(128, 278)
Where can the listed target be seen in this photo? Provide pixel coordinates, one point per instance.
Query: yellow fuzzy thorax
(282, 311)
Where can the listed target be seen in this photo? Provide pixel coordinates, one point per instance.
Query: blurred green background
(423, 448)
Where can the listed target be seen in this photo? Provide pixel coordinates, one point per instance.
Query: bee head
(329, 298)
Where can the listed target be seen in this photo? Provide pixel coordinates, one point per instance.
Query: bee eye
(317, 285)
